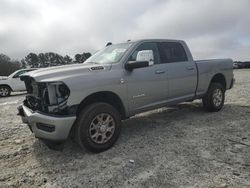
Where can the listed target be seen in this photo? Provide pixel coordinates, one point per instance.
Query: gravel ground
(183, 146)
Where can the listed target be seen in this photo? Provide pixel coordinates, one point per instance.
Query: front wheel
(4, 91)
(213, 101)
(98, 127)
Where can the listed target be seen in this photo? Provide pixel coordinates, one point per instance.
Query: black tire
(5, 91)
(84, 127)
(211, 101)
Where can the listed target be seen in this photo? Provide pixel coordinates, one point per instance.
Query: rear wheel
(98, 127)
(213, 101)
(4, 91)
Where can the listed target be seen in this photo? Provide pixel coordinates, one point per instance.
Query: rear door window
(172, 52)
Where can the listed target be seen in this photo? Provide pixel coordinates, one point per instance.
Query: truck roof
(155, 40)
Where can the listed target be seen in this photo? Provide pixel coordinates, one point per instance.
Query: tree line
(33, 60)
(8, 66)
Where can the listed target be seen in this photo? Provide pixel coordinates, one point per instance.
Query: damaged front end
(47, 97)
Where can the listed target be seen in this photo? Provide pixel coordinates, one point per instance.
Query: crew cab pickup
(88, 101)
(12, 82)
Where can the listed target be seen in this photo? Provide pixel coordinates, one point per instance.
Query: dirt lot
(183, 146)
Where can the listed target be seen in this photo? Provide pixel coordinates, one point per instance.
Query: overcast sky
(212, 28)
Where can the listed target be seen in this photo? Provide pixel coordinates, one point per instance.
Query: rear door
(182, 75)
(147, 87)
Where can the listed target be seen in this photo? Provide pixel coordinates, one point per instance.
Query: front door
(16, 83)
(146, 87)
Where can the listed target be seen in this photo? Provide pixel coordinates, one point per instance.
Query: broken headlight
(55, 95)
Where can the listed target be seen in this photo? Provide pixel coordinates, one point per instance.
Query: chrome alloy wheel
(4, 92)
(102, 128)
(217, 97)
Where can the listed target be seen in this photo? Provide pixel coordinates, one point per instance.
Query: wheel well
(104, 96)
(6, 86)
(219, 78)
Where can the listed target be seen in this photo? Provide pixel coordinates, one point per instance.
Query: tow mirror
(130, 65)
(144, 58)
(145, 55)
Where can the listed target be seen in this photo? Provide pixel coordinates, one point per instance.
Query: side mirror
(130, 65)
(145, 55)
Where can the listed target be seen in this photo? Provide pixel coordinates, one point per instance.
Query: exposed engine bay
(47, 97)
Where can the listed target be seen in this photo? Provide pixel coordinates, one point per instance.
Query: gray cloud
(211, 28)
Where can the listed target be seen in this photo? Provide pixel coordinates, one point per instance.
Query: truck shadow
(16, 94)
(138, 123)
(169, 121)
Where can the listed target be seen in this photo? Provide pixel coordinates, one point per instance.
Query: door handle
(159, 72)
(190, 68)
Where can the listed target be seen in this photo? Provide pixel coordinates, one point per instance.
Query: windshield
(110, 54)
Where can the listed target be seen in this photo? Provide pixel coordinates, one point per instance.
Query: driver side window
(146, 46)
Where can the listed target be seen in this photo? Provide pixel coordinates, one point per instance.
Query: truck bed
(208, 68)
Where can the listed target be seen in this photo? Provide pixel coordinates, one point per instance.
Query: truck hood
(59, 73)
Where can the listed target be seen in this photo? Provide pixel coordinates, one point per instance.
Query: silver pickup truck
(88, 101)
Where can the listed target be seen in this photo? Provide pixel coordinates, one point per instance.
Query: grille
(39, 99)
(36, 99)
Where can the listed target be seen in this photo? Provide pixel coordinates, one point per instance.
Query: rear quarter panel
(209, 68)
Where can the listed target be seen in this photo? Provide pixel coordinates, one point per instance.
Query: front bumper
(55, 128)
